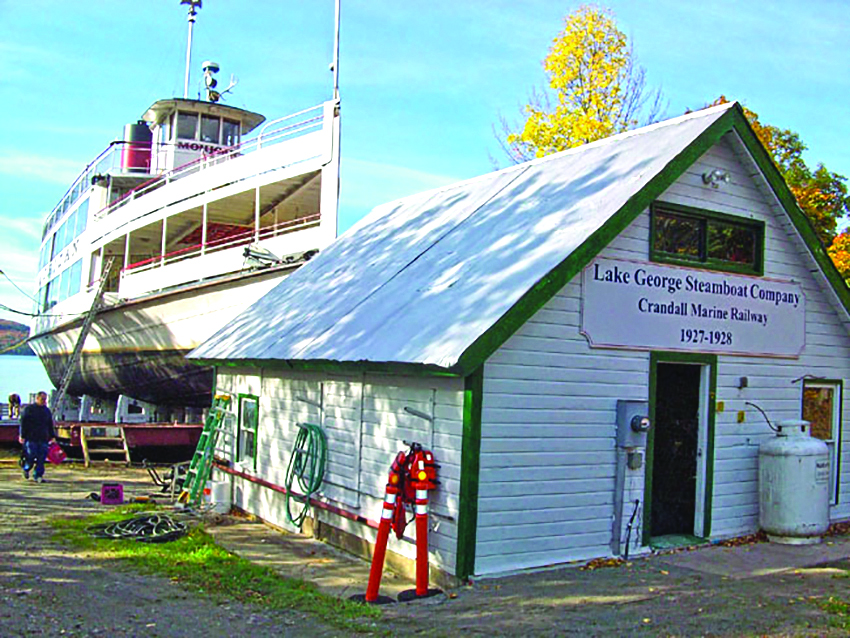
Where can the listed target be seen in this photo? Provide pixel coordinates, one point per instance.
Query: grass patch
(839, 612)
(196, 562)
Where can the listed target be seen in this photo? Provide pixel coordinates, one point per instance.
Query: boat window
(64, 284)
(162, 132)
(76, 274)
(209, 128)
(82, 216)
(230, 132)
(187, 125)
(59, 240)
(51, 292)
(69, 225)
(45, 297)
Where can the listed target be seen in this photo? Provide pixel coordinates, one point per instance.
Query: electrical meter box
(632, 423)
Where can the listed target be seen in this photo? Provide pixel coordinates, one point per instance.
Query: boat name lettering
(196, 146)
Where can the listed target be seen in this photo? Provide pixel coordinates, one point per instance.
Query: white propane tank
(794, 485)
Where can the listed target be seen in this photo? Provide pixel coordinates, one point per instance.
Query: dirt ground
(47, 591)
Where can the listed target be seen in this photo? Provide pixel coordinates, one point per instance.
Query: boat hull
(157, 376)
(137, 348)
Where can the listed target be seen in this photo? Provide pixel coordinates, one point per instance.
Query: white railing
(239, 239)
(285, 129)
(107, 161)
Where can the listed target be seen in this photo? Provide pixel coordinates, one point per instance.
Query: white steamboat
(200, 209)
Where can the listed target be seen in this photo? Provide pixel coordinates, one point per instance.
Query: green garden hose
(307, 465)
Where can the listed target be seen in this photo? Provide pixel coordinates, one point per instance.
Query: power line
(34, 314)
(21, 290)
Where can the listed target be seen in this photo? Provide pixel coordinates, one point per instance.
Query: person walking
(36, 435)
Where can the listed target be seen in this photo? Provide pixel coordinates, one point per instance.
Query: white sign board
(647, 306)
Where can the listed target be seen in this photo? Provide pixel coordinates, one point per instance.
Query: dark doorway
(675, 438)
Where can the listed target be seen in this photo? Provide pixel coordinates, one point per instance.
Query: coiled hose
(146, 528)
(307, 468)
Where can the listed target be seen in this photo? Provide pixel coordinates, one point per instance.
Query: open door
(679, 449)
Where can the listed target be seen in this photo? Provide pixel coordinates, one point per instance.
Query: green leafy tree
(821, 194)
(595, 89)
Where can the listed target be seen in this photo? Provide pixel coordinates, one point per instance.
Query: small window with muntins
(693, 237)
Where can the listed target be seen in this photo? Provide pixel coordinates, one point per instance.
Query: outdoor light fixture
(713, 178)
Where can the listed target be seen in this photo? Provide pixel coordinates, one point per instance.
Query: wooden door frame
(697, 358)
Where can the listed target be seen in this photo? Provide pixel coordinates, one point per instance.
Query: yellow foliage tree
(596, 89)
(839, 252)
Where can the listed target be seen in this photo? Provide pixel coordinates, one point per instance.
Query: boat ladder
(99, 440)
(202, 461)
(56, 400)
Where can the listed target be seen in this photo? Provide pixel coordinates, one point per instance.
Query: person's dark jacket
(37, 424)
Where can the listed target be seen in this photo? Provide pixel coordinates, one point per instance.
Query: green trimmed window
(249, 420)
(693, 237)
(822, 409)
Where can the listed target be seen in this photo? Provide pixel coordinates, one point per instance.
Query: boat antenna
(335, 63)
(194, 5)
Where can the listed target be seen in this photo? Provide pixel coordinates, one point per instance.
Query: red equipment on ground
(412, 475)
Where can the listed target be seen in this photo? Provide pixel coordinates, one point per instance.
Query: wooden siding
(366, 420)
(548, 455)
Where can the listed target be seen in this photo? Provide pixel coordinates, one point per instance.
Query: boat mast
(335, 63)
(194, 5)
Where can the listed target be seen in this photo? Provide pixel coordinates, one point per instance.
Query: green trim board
(341, 367)
(470, 467)
(710, 360)
(707, 263)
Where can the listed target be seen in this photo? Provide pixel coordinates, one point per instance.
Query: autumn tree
(821, 194)
(595, 89)
(839, 252)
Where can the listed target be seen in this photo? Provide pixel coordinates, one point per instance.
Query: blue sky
(422, 84)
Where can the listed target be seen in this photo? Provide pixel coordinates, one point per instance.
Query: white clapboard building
(513, 323)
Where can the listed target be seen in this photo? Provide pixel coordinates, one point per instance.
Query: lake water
(22, 375)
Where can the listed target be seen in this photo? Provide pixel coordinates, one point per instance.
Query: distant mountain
(12, 333)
